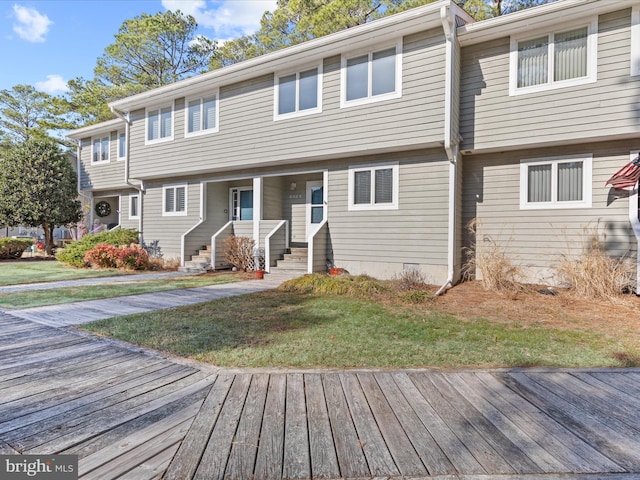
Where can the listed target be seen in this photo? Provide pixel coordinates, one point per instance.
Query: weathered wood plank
(297, 462)
(425, 445)
(6, 449)
(271, 447)
(563, 443)
(153, 468)
(610, 392)
(57, 355)
(375, 450)
(628, 383)
(399, 445)
(458, 423)
(215, 456)
(473, 391)
(324, 462)
(244, 450)
(592, 430)
(455, 450)
(184, 464)
(351, 458)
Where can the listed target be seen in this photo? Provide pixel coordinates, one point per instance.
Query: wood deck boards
(137, 415)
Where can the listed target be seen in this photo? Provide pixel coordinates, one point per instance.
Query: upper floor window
(159, 124)
(556, 182)
(635, 40)
(174, 200)
(558, 59)
(372, 76)
(202, 115)
(374, 187)
(299, 93)
(100, 151)
(122, 146)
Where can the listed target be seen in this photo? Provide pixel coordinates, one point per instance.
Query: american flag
(627, 176)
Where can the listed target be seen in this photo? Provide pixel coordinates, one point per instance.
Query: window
(635, 40)
(134, 206)
(298, 93)
(100, 150)
(122, 146)
(174, 200)
(202, 115)
(241, 203)
(159, 124)
(556, 182)
(374, 187)
(372, 76)
(558, 59)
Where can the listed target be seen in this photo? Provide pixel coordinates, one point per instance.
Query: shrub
(593, 273)
(322, 284)
(74, 253)
(238, 252)
(13, 247)
(497, 271)
(132, 257)
(411, 279)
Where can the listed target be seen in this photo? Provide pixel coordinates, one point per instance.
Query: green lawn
(293, 329)
(34, 271)
(56, 296)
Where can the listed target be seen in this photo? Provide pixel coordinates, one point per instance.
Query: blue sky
(45, 43)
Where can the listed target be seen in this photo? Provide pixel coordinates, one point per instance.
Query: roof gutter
(450, 144)
(127, 180)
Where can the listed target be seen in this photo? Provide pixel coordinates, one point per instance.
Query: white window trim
(157, 109)
(137, 197)
(231, 209)
(100, 139)
(121, 157)
(298, 113)
(635, 40)
(592, 61)
(208, 131)
(352, 206)
(587, 184)
(164, 200)
(344, 103)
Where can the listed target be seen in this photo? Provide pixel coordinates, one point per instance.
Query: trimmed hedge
(133, 257)
(13, 247)
(74, 253)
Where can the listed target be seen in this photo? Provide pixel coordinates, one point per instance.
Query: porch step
(295, 261)
(199, 263)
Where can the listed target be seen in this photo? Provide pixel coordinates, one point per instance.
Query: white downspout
(450, 146)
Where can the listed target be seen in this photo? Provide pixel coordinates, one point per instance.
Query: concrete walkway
(77, 313)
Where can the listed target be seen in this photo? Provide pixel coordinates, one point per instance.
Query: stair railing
(267, 242)
(218, 238)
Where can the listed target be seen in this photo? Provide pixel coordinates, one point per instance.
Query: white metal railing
(267, 242)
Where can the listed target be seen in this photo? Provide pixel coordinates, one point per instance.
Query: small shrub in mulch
(132, 257)
(73, 254)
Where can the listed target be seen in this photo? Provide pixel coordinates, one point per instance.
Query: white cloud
(31, 25)
(228, 19)
(53, 84)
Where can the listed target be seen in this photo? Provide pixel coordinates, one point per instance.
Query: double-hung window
(174, 200)
(100, 149)
(134, 206)
(159, 124)
(202, 115)
(122, 146)
(373, 187)
(635, 40)
(556, 182)
(298, 93)
(558, 59)
(372, 76)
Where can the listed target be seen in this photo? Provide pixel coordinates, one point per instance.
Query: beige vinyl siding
(168, 230)
(491, 119)
(125, 221)
(540, 239)
(415, 233)
(103, 175)
(272, 198)
(249, 136)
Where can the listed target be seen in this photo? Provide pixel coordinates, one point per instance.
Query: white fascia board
(541, 18)
(387, 28)
(108, 126)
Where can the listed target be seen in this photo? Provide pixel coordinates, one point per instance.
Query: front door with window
(315, 205)
(241, 204)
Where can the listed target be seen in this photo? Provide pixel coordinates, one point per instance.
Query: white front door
(315, 204)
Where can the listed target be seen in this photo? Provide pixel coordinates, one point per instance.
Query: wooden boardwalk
(132, 414)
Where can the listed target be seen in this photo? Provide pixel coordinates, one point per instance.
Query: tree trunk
(48, 238)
